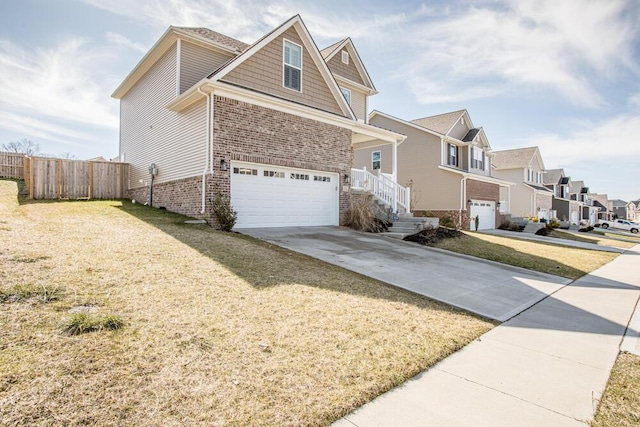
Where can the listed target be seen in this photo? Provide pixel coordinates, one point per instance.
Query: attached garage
(273, 196)
(486, 211)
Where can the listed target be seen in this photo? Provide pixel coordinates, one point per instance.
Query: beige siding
(197, 62)
(264, 72)
(358, 104)
(459, 130)
(150, 133)
(521, 196)
(348, 71)
(418, 161)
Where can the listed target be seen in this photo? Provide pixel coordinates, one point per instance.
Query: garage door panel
(280, 197)
(486, 211)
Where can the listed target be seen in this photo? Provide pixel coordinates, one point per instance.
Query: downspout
(463, 198)
(206, 154)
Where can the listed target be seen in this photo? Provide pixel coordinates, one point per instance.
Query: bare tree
(26, 147)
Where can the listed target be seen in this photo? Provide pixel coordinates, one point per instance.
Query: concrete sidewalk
(547, 366)
(553, 240)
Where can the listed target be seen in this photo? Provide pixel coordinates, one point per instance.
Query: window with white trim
(376, 158)
(539, 177)
(452, 155)
(345, 57)
(347, 94)
(292, 58)
(530, 175)
(477, 158)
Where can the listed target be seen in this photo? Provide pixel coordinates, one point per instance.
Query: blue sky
(562, 75)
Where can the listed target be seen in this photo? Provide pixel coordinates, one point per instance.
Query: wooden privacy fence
(47, 178)
(11, 165)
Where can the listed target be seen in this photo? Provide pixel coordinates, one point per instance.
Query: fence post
(90, 192)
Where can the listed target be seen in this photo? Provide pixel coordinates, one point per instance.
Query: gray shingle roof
(516, 158)
(216, 37)
(471, 134)
(576, 186)
(552, 176)
(440, 123)
(618, 203)
(540, 188)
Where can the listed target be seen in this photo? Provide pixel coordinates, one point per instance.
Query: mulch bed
(431, 236)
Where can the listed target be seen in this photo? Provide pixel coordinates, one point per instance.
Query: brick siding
(479, 190)
(250, 133)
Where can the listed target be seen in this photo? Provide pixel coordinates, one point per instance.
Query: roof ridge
(437, 115)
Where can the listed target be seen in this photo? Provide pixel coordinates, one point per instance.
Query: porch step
(408, 225)
(533, 227)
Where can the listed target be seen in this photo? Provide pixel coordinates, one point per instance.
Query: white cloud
(602, 154)
(634, 100)
(487, 50)
(35, 128)
(121, 40)
(65, 82)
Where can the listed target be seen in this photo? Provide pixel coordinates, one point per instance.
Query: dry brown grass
(620, 404)
(591, 238)
(562, 261)
(219, 329)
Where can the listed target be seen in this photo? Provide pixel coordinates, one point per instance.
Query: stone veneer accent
(249, 133)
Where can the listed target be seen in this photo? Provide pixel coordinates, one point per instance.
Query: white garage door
(486, 212)
(271, 196)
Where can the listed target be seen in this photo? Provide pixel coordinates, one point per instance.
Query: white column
(394, 170)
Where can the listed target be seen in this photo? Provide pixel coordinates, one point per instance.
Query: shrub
(83, 322)
(544, 231)
(360, 214)
(554, 223)
(223, 211)
(447, 221)
(505, 225)
(586, 229)
(533, 219)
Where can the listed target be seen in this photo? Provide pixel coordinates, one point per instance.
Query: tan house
(528, 197)
(633, 210)
(273, 125)
(565, 208)
(445, 160)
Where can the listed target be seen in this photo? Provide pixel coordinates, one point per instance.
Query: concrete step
(395, 235)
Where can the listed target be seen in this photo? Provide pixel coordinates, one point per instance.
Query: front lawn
(117, 314)
(620, 404)
(562, 261)
(591, 238)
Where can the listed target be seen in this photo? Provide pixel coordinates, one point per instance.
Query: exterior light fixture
(347, 178)
(223, 165)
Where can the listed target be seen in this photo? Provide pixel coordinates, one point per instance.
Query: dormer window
(539, 177)
(292, 58)
(452, 155)
(345, 57)
(529, 175)
(347, 94)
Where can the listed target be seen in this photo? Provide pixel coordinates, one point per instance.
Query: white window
(477, 159)
(530, 175)
(376, 157)
(539, 177)
(345, 57)
(347, 94)
(452, 155)
(245, 171)
(292, 58)
(273, 174)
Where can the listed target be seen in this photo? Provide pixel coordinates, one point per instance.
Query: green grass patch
(589, 238)
(30, 292)
(82, 323)
(563, 261)
(620, 403)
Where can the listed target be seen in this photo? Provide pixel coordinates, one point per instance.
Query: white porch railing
(383, 188)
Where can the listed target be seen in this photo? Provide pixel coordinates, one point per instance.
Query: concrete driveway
(483, 287)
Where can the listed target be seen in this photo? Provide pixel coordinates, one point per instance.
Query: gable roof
(576, 186)
(515, 158)
(552, 176)
(441, 123)
(312, 49)
(618, 203)
(329, 52)
(215, 37)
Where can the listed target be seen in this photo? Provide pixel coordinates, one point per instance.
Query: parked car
(621, 224)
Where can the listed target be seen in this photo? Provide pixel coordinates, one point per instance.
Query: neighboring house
(528, 197)
(565, 208)
(272, 125)
(587, 212)
(618, 208)
(601, 201)
(445, 160)
(633, 210)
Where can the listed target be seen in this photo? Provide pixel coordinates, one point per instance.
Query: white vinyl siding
(197, 63)
(150, 133)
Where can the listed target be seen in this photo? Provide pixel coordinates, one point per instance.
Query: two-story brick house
(273, 125)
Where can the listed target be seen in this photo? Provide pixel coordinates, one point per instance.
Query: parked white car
(621, 224)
